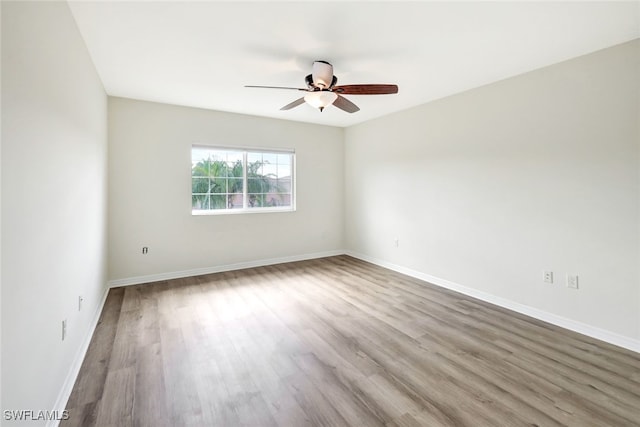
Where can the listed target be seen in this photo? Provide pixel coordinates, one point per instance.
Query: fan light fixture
(320, 99)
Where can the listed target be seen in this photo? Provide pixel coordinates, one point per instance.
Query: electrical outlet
(547, 276)
(145, 250)
(64, 329)
(80, 300)
(572, 281)
(396, 242)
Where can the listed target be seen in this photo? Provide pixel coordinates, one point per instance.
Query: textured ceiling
(201, 54)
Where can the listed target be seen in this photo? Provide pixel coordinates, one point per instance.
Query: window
(232, 180)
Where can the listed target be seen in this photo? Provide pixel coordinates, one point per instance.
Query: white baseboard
(582, 328)
(72, 375)
(218, 269)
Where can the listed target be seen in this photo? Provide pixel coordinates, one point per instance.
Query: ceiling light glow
(320, 99)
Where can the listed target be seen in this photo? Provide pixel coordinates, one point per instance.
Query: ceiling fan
(322, 90)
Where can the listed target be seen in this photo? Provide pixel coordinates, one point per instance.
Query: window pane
(270, 158)
(234, 201)
(199, 185)
(218, 201)
(200, 168)
(217, 155)
(217, 168)
(254, 169)
(199, 202)
(256, 200)
(270, 170)
(284, 159)
(219, 185)
(234, 185)
(234, 156)
(284, 171)
(272, 200)
(199, 154)
(284, 185)
(285, 199)
(234, 169)
(257, 185)
(278, 199)
(254, 157)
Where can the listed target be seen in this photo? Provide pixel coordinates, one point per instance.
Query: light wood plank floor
(339, 342)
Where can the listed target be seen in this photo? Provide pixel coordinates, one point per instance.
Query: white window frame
(245, 196)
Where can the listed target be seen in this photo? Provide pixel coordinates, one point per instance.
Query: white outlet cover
(572, 281)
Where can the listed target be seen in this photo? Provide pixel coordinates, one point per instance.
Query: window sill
(240, 211)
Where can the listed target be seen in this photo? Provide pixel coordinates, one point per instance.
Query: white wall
(0, 214)
(54, 152)
(150, 192)
(488, 188)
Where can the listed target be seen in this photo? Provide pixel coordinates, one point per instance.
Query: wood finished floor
(339, 342)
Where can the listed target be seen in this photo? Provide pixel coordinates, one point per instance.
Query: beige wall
(54, 188)
(489, 188)
(150, 192)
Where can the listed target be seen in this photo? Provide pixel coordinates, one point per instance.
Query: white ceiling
(201, 54)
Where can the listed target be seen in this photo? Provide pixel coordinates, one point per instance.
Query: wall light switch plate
(572, 281)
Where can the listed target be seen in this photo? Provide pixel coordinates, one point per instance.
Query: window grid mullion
(245, 185)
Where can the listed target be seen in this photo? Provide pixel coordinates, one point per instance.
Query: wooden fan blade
(279, 87)
(293, 104)
(345, 105)
(366, 89)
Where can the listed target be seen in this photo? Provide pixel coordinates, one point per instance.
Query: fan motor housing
(309, 82)
(322, 74)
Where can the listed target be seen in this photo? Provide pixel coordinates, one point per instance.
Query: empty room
(347, 213)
